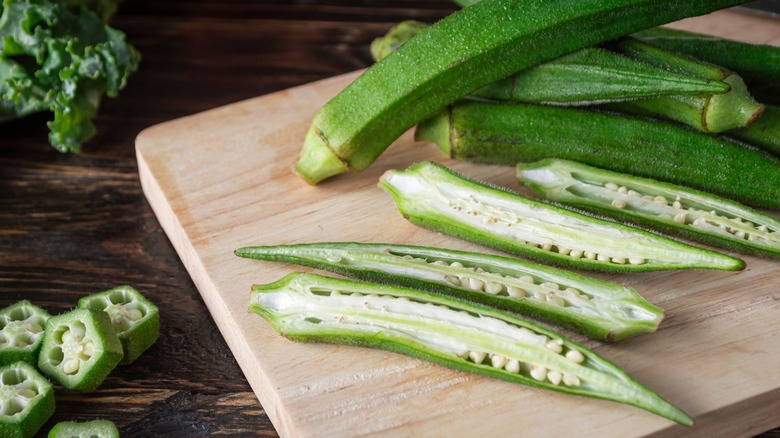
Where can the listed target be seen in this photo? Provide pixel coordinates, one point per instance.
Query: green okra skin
(763, 133)
(80, 349)
(26, 400)
(449, 332)
(87, 429)
(431, 196)
(21, 332)
(135, 319)
(586, 76)
(670, 208)
(598, 309)
(468, 49)
(757, 64)
(707, 112)
(521, 133)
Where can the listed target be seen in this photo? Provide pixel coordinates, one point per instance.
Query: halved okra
(80, 349)
(586, 76)
(21, 332)
(434, 197)
(452, 333)
(666, 207)
(87, 429)
(136, 320)
(599, 309)
(26, 400)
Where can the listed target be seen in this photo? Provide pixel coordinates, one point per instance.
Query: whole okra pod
(516, 133)
(468, 49)
(449, 332)
(763, 133)
(433, 197)
(599, 309)
(587, 76)
(670, 208)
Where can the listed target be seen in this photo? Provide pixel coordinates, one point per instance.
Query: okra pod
(21, 332)
(587, 76)
(470, 48)
(26, 400)
(598, 309)
(707, 112)
(511, 134)
(87, 429)
(763, 133)
(757, 64)
(449, 332)
(434, 197)
(670, 208)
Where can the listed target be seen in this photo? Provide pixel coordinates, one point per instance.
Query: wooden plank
(222, 179)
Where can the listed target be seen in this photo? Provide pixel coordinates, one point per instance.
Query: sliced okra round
(434, 197)
(21, 332)
(666, 207)
(88, 429)
(598, 309)
(136, 320)
(80, 348)
(26, 400)
(450, 332)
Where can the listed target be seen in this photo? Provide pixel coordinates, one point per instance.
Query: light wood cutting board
(222, 179)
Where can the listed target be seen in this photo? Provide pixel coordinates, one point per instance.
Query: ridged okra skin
(449, 332)
(431, 196)
(21, 332)
(598, 309)
(587, 76)
(26, 400)
(669, 208)
(757, 64)
(763, 133)
(459, 54)
(706, 112)
(510, 134)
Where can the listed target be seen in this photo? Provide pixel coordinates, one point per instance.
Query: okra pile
(602, 113)
(77, 349)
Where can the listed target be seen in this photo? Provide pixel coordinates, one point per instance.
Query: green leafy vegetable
(61, 57)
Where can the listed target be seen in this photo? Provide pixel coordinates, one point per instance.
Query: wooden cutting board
(222, 179)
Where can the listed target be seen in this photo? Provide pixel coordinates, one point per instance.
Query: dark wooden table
(71, 225)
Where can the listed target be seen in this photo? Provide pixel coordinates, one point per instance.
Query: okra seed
(571, 380)
(554, 377)
(498, 361)
(636, 261)
(547, 246)
(26, 393)
(133, 314)
(575, 253)
(70, 366)
(622, 189)
(563, 251)
(527, 279)
(611, 186)
(680, 217)
(493, 288)
(356, 294)
(538, 372)
(513, 366)
(676, 204)
(633, 193)
(440, 263)
(602, 258)
(68, 337)
(555, 300)
(618, 260)
(33, 327)
(740, 234)
(554, 345)
(575, 356)
(455, 281)
(647, 197)
(589, 255)
(476, 284)
(515, 292)
(661, 200)
(762, 228)
(333, 258)
(456, 265)
(477, 356)
(88, 349)
(550, 285)
(617, 203)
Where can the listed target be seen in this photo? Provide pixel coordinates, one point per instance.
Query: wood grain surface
(221, 179)
(71, 225)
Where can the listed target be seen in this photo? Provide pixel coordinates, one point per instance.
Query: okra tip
(317, 160)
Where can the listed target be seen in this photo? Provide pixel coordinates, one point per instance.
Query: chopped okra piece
(26, 400)
(88, 429)
(21, 332)
(80, 349)
(666, 207)
(450, 332)
(136, 320)
(599, 309)
(433, 197)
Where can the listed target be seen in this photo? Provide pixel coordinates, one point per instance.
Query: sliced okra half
(136, 320)
(87, 429)
(26, 400)
(21, 332)
(80, 349)
(666, 207)
(598, 309)
(434, 197)
(450, 332)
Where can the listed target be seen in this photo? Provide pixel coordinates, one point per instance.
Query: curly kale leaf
(61, 57)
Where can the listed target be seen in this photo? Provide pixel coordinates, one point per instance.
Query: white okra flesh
(449, 332)
(430, 192)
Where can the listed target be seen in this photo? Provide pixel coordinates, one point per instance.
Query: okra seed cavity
(72, 348)
(17, 391)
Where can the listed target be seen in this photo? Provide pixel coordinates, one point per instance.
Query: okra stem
(511, 134)
(586, 76)
(452, 333)
(598, 309)
(433, 197)
(665, 207)
(468, 49)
